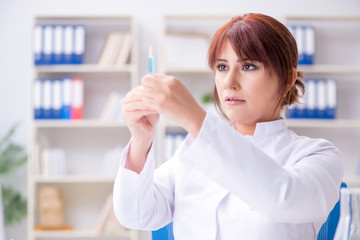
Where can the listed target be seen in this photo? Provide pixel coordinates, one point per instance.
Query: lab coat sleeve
(139, 202)
(304, 192)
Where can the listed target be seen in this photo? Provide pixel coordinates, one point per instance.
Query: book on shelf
(58, 98)
(107, 222)
(112, 108)
(58, 44)
(116, 50)
(52, 162)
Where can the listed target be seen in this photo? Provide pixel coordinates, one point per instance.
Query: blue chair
(165, 233)
(327, 231)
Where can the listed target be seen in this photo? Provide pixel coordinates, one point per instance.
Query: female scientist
(249, 179)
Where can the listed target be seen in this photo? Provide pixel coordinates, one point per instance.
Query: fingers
(137, 106)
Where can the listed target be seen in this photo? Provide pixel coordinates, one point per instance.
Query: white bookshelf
(335, 58)
(85, 142)
(337, 37)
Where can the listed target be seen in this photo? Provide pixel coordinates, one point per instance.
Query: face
(247, 92)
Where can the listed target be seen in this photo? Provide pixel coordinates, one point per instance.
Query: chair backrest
(327, 231)
(165, 233)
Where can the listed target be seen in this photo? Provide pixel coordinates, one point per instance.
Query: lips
(231, 99)
(234, 101)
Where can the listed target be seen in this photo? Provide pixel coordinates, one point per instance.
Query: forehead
(226, 51)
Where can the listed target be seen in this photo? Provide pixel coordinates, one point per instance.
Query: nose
(232, 80)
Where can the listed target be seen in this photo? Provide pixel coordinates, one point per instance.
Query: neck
(249, 128)
(245, 129)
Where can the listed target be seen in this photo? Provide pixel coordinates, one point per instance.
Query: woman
(250, 179)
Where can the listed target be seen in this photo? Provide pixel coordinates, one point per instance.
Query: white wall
(15, 31)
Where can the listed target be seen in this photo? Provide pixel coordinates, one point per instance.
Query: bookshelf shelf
(352, 180)
(75, 179)
(321, 123)
(84, 68)
(78, 234)
(332, 69)
(87, 123)
(322, 18)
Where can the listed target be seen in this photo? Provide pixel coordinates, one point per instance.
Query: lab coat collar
(267, 128)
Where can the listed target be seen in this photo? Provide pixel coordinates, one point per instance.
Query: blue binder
(68, 44)
(58, 44)
(79, 44)
(46, 99)
(38, 44)
(309, 45)
(48, 45)
(56, 103)
(66, 88)
(37, 99)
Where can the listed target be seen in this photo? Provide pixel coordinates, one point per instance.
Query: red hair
(264, 39)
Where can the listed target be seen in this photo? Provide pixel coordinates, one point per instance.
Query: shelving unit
(85, 188)
(337, 38)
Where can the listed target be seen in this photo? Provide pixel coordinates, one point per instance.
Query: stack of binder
(59, 44)
(306, 43)
(58, 98)
(319, 101)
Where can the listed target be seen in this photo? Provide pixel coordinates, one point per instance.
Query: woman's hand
(141, 119)
(169, 97)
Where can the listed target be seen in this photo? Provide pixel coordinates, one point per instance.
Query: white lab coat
(274, 185)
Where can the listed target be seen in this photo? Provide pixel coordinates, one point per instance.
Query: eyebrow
(224, 60)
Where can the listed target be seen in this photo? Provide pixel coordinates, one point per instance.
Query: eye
(221, 67)
(249, 67)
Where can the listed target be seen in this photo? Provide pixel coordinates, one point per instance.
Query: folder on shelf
(310, 98)
(38, 44)
(56, 99)
(68, 44)
(37, 99)
(331, 89)
(79, 44)
(48, 44)
(109, 106)
(58, 44)
(299, 37)
(124, 51)
(309, 45)
(53, 162)
(111, 49)
(107, 223)
(306, 43)
(66, 92)
(77, 109)
(320, 99)
(46, 98)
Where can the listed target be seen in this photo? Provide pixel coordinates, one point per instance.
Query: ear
(293, 79)
(294, 76)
